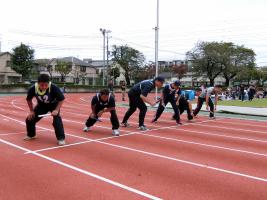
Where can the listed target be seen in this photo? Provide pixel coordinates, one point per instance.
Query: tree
(146, 72)
(180, 70)
(22, 60)
(248, 75)
(235, 59)
(129, 59)
(63, 68)
(262, 75)
(205, 60)
(114, 72)
(213, 58)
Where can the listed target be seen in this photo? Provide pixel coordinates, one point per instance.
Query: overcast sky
(56, 28)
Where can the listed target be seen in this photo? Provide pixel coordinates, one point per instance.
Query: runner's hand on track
(55, 113)
(100, 113)
(31, 115)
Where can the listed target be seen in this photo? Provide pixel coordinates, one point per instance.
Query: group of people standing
(241, 93)
(50, 99)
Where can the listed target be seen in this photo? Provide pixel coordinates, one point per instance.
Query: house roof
(166, 74)
(3, 53)
(75, 61)
(96, 63)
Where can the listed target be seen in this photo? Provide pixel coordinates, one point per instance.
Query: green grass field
(260, 103)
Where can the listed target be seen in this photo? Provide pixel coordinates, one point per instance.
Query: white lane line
(241, 138)
(219, 135)
(146, 134)
(162, 120)
(243, 124)
(174, 159)
(130, 189)
(18, 133)
(205, 145)
(186, 130)
(183, 141)
(186, 162)
(13, 104)
(93, 140)
(235, 129)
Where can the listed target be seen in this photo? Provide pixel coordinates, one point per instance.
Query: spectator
(242, 92)
(251, 92)
(265, 93)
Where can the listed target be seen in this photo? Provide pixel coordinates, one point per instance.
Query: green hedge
(18, 85)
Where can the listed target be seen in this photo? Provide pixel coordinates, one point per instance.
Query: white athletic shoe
(86, 129)
(116, 132)
(125, 124)
(61, 142)
(143, 128)
(27, 138)
(211, 118)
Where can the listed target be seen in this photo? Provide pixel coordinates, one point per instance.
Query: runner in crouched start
(205, 96)
(49, 99)
(185, 102)
(137, 99)
(169, 94)
(103, 102)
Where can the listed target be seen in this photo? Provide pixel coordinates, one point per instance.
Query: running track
(219, 159)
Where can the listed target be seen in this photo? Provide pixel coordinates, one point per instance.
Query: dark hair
(177, 83)
(198, 90)
(218, 86)
(160, 79)
(104, 92)
(43, 78)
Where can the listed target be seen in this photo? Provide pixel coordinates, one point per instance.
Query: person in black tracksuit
(103, 102)
(251, 92)
(242, 93)
(49, 99)
(123, 90)
(169, 95)
(137, 98)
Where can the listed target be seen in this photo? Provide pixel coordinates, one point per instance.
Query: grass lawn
(260, 103)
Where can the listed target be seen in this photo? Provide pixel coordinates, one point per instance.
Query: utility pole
(157, 44)
(107, 32)
(103, 31)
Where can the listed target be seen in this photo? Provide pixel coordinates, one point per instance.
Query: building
(188, 79)
(81, 72)
(100, 68)
(7, 75)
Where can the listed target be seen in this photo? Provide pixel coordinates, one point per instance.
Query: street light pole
(107, 32)
(103, 31)
(157, 44)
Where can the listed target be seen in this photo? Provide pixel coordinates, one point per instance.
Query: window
(91, 81)
(82, 68)
(8, 63)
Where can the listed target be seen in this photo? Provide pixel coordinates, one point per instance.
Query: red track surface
(220, 159)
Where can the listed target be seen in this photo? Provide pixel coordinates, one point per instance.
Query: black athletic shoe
(178, 122)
